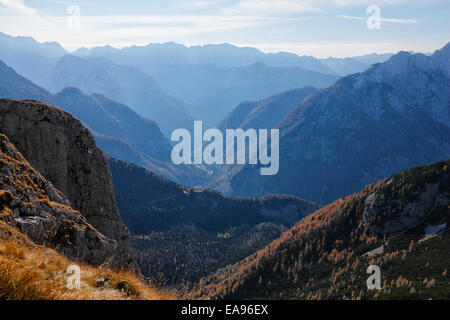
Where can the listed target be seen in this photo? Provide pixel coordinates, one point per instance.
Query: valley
(355, 175)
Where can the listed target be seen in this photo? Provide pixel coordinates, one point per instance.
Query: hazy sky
(320, 28)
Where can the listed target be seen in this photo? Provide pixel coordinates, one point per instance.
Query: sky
(321, 28)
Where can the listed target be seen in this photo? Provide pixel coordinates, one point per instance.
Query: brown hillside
(326, 254)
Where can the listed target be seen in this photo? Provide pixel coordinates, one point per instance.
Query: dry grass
(32, 272)
(39, 103)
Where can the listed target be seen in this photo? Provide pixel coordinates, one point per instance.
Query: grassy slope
(32, 272)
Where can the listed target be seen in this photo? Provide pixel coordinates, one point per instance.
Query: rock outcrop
(64, 152)
(31, 204)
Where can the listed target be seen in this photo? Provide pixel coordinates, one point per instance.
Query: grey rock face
(409, 215)
(64, 152)
(31, 204)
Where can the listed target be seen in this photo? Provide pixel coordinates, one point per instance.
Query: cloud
(167, 19)
(273, 7)
(241, 22)
(357, 3)
(125, 30)
(19, 6)
(292, 7)
(381, 19)
(156, 26)
(196, 5)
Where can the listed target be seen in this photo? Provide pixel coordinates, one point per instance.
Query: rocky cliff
(31, 204)
(64, 152)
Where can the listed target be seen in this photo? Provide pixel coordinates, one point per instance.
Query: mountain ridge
(125, 85)
(326, 254)
(265, 114)
(388, 118)
(117, 128)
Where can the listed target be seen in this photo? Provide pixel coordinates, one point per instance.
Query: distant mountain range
(30, 58)
(159, 56)
(214, 78)
(346, 66)
(333, 141)
(154, 57)
(171, 83)
(123, 84)
(118, 130)
(214, 90)
(190, 83)
(363, 128)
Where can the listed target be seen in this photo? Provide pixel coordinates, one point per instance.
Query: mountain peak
(393, 116)
(442, 58)
(446, 48)
(83, 51)
(71, 91)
